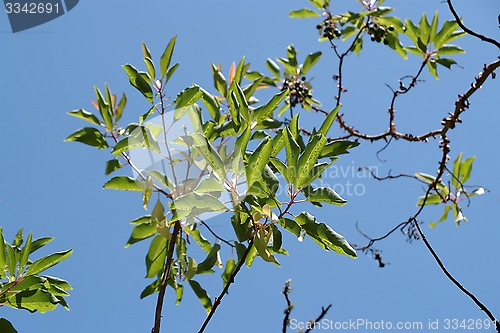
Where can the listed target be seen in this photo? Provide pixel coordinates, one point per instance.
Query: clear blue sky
(55, 189)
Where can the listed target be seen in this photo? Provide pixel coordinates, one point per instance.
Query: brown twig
(469, 31)
(289, 305)
(226, 287)
(455, 281)
(166, 274)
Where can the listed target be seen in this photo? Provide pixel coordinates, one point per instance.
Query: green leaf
(11, 260)
(137, 81)
(124, 183)
(443, 218)
(209, 154)
(252, 254)
(277, 238)
(263, 251)
(3, 258)
(164, 180)
(151, 67)
(151, 288)
(146, 115)
(290, 225)
(25, 252)
(33, 301)
(456, 171)
(202, 295)
(449, 49)
(167, 56)
(148, 191)
(303, 13)
(211, 104)
(414, 50)
(120, 107)
(6, 326)
(85, 115)
(155, 259)
(240, 71)
(466, 169)
(46, 262)
(229, 269)
(308, 160)
(89, 136)
(112, 165)
(193, 204)
(145, 51)
(325, 235)
(220, 82)
(171, 71)
(258, 160)
(431, 66)
(265, 111)
(291, 54)
(432, 199)
(18, 239)
(412, 31)
(311, 60)
(292, 150)
(206, 265)
(327, 195)
(273, 67)
(337, 147)
(433, 29)
(425, 28)
(442, 36)
(104, 108)
(187, 97)
(202, 241)
(327, 123)
(430, 179)
(446, 62)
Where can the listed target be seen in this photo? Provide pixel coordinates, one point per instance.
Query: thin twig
(226, 287)
(455, 281)
(323, 313)
(166, 274)
(289, 305)
(469, 31)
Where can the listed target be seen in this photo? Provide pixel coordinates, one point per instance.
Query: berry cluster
(299, 90)
(328, 29)
(379, 32)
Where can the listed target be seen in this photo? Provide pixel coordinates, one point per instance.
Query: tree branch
(226, 287)
(166, 274)
(289, 305)
(469, 31)
(455, 281)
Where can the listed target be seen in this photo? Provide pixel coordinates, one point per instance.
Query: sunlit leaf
(137, 80)
(46, 262)
(85, 115)
(326, 195)
(89, 136)
(311, 60)
(258, 160)
(202, 295)
(325, 235)
(124, 183)
(167, 56)
(303, 13)
(155, 259)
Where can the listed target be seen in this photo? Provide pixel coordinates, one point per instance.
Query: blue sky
(54, 188)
